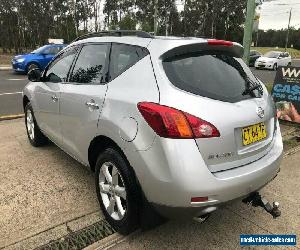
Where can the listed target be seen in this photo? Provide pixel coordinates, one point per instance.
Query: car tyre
(275, 66)
(32, 66)
(35, 135)
(117, 191)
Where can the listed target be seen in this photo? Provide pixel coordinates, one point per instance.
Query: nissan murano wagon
(179, 125)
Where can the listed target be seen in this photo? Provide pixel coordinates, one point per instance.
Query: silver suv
(178, 124)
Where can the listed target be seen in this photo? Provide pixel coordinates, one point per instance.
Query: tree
(128, 22)
(276, 38)
(214, 18)
(26, 24)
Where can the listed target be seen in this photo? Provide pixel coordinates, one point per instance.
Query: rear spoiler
(230, 48)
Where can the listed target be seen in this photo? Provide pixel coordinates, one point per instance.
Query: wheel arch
(98, 145)
(25, 101)
(32, 62)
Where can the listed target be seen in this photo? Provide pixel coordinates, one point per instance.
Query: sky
(275, 14)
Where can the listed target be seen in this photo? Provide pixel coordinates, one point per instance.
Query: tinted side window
(123, 57)
(59, 68)
(90, 67)
(52, 50)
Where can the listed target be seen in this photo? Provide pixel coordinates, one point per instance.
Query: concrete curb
(107, 242)
(10, 117)
(111, 241)
(56, 232)
(291, 152)
(5, 67)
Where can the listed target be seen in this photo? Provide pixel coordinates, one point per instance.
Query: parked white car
(273, 59)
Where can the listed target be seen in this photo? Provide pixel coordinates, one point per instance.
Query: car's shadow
(221, 231)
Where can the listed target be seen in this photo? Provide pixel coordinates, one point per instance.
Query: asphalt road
(268, 76)
(12, 84)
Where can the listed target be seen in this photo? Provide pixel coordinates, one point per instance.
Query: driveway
(11, 86)
(44, 192)
(45, 195)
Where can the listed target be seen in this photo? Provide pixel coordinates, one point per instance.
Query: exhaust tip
(202, 218)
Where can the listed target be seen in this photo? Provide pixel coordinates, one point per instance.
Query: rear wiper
(251, 86)
(251, 89)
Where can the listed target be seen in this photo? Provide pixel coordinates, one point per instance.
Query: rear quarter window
(214, 75)
(123, 57)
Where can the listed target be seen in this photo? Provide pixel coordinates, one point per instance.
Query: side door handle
(92, 105)
(54, 98)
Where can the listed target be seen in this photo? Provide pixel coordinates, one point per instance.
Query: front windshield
(39, 50)
(272, 54)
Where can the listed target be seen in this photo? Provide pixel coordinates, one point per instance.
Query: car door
(82, 98)
(47, 95)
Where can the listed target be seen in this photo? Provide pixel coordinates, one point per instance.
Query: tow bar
(256, 200)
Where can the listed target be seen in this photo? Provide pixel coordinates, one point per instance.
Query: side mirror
(34, 75)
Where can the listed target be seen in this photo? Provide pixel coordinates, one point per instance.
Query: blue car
(38, 58)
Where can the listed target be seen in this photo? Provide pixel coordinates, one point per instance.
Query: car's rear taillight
(172, 123)
(201, 128)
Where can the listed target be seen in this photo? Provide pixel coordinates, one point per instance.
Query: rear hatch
(218, 87)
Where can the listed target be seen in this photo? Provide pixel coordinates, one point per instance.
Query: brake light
(202, 128)
(199, 199)
(172, 123)
(219, 42)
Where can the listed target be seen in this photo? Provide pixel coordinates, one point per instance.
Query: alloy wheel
(30, 124)
(112, 191)
(32, 66)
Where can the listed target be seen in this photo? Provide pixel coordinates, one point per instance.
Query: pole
(288, 31)
(184, 20)
(166, 19)
(256, 42)
(155, 17)
(248, 29)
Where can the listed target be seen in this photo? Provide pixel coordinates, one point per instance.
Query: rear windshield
(272, 54)
(214, 75)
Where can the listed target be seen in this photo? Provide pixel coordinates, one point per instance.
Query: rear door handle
(54, 98)
(91, 104)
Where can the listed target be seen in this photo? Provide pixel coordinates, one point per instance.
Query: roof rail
(137, 33)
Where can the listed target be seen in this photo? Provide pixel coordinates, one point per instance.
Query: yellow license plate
(254, 133)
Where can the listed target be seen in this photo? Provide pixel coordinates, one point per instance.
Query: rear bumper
(171, 172)
(200, 209)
